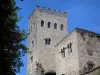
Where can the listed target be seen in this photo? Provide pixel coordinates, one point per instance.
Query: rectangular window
(48, 24)
(31, 58)
(47, 41)
(61, 27)
(55, 25)
(63, 52)
(33, 43)
(42, 23)
(69, 48)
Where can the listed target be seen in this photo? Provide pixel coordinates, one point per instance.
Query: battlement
(49, 11)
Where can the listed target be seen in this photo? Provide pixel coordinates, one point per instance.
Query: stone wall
(48, 11)
(42, 53)
(88, 49)
(46, 52)
(69, 64)
(95, 71)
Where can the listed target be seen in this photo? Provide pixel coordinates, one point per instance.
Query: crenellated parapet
(49, 11)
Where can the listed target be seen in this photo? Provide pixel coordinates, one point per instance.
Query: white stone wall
(49, 56)
(45, 54)
(88, 41)
(31, 65)
(68, 65)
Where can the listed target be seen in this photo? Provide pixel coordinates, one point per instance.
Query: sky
(80, 13)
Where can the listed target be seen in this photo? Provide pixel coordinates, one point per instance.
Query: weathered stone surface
(42, 53)
(90, 43)
(80, 46)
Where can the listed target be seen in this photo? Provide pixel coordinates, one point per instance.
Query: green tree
(11, 47)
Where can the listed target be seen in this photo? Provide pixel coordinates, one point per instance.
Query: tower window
(90, 65)
(63, 52)
(31, 28)
(70, 46)
(48, 24)
(62, 27)
(55, 25)
(31, 58)
(33, 43)
(47, 41)
(42, 23)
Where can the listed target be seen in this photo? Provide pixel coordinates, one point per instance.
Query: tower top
(49, 11)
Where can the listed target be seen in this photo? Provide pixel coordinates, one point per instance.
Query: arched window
(55, 25)
(48, 24)
(47, 41)
(90, 65)
(42, 23)
(62, 27)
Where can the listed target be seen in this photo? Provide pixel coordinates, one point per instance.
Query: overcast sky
(80, 13)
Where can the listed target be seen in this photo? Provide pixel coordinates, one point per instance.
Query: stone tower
(46, 28)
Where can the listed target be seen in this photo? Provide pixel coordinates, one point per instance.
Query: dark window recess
(47, 41)
(63, 74)
(63, 52)
(48, 24)
(90, 65)
(33, 43)
(42, 23)
(55, 25)
(31, 29)
(62, 27)
(69, 47)
(31, 58)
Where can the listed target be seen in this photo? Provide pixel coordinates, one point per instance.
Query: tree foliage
(11, 47)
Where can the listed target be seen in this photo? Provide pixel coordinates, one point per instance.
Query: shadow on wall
(50, 73)
(95, 71)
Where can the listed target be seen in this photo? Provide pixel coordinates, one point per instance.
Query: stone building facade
(46, 28)
(81, 50)
(53, 49)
